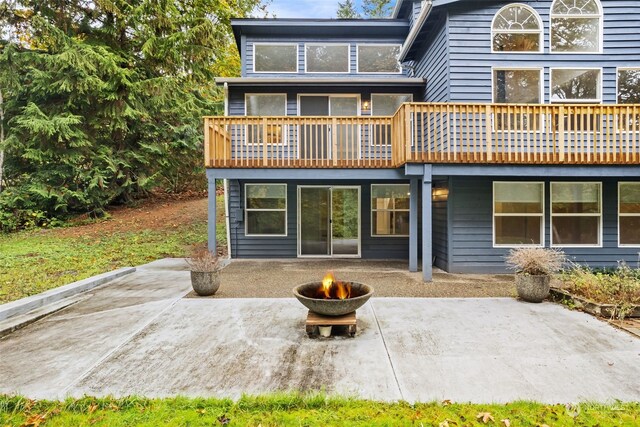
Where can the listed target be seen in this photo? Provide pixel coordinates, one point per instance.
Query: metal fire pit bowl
(332, 307)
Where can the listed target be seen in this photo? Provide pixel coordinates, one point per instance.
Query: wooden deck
(430, 133)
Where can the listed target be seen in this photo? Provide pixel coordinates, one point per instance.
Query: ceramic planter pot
(205, 283)
(533, 288)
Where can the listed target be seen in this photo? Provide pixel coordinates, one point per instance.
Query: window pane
(266, 222)
(516, 42)
(378, 59)
(266, 196)
(387, 105)
(389, 223)
(516, 197)
(579, 197)
(575, 85)
(516, 86)
(276, 58)
(266, 105)
(629, 86)
(630, 230)
(572, 230)
(575, 7)
(390, 191)
(575, 34)
(630, 198)
(516, 17)
(328, 59)
(518, 230)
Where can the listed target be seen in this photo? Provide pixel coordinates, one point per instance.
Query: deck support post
(413, 226)
(211, 223)
(427, 263)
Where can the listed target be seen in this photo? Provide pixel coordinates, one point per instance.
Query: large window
(517, 86)
(576, 26)
(265, 104)
(275, 58)
(516, 28)
(629, 213)
(327, 58)
(386, 104)
(518, 209)
(266, 209)
(576, 213)
(389, 210)
(379, 59)
(576, 85)
(629, 86)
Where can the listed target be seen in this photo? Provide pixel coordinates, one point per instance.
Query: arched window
(516, 28)
(576, 26)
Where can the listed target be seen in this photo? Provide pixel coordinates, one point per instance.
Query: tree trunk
(1, 139)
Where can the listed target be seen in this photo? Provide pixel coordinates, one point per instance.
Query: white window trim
(541, 215)
(306, 62)
(410, 95)
(388, 144)
(285, 129)
(378, 72)
(386, 236)
(576, 101)
(599, 215)
(247, 210)
(621, 245)
(600, 16)
(493, 98)
(539, 31)
(618, 69)
(277, 44)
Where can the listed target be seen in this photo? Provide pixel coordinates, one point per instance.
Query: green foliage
(377, 9)
(347, 10)
(619, 287)
(307, 410)
(103, 100)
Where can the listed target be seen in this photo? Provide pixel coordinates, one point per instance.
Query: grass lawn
(294, 410)
(35, 261)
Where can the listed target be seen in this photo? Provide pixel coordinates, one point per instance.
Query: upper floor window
(516, 28)
(576, 85)
(629, 86)
(275, 58)
(576, 26)
(378, 59)
(327, 58)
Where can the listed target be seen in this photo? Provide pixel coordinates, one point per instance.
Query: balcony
(430, 133)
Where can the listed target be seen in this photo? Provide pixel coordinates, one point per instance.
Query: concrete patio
(139, 335)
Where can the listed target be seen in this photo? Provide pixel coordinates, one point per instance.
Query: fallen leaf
(485, 417)
(224, 420)
(445, 423)
(201, 411)
(35, 420)
(92, 408)
(446, 402)
(506, 423)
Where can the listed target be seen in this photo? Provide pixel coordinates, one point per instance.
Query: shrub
(203, 261)
(620, 286)
(535, 261)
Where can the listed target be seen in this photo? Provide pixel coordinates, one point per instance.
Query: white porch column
(413, 225)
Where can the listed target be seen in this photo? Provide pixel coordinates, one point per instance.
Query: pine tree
(107, 99)
(347, 10)
(377, 9)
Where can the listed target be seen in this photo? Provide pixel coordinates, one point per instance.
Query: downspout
(413, 34)
(226, 181)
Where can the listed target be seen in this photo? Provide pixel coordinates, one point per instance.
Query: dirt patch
(152, 214)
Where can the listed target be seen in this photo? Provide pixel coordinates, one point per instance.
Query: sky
(305, 8)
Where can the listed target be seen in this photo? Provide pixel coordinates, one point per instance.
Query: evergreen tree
(377, 9)
(347, 10)
(103, 100)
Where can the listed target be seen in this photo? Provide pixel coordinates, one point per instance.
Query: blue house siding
(471, 59)
(248, 59)
(472, 250)
(243, 246)
(434, 62)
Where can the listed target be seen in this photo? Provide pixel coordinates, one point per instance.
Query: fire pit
(332, 297)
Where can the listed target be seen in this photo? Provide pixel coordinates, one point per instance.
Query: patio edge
(25, 305)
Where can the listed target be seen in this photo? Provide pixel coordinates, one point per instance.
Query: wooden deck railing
(430, 133)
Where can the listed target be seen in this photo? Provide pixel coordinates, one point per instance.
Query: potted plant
(205, 272)
(533, 268)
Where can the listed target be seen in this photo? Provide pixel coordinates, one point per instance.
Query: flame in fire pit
(334, 289)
